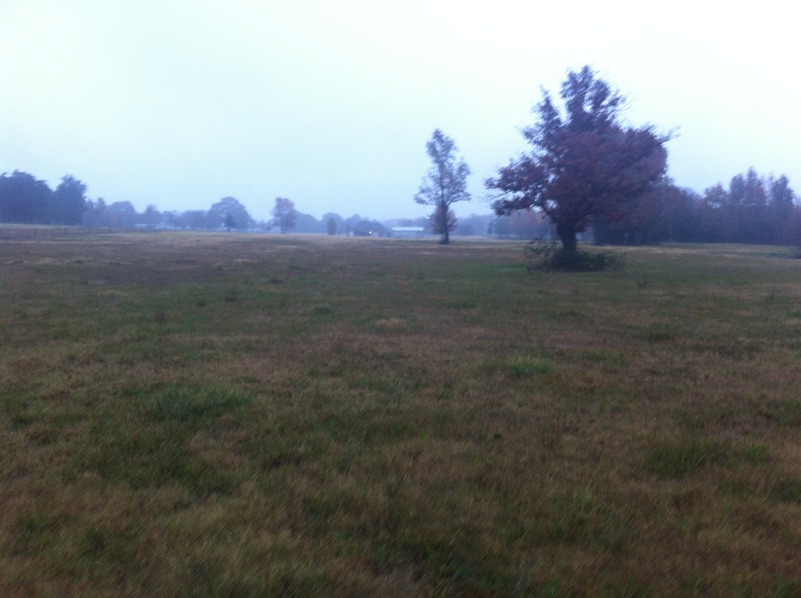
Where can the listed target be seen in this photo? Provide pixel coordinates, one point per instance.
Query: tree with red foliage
(585, 163)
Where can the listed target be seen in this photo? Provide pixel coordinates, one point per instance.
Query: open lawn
(244, 415)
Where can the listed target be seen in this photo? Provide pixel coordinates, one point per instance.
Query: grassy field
(237, 415)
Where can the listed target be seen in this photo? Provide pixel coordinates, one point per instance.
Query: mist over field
(179, 105)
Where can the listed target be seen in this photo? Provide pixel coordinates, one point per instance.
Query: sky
(330, 103)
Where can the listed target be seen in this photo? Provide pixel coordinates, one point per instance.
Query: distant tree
(369, 228)
(734, 215)
(121, 214)
(782, 197)
(528, 224)
(170, 219)
(792, 230)
(69, 201)
(284, 214)
(229, 222)
(522, 224)
(338, 223)
(24, 199)
(648, 220)
(96, 213)
(331, 226)
(678, 218)
(584, 164)
(781, 206)
(152, 216)
(499, 226)
(474, 224)
(442, 224)
(306, 223)
(192, 219)
(466, 229)
(750, 197)
(716, 217)
(445, 183)
(350, 223)
(218, 215)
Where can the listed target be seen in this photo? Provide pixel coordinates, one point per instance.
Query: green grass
(259, 415)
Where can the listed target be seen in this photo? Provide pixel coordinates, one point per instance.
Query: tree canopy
(445, 183)
(69, 201)
(24, 199)
(284, 214)
(585, 164)
(228, 213)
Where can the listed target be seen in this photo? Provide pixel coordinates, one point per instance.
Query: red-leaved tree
(584, 163)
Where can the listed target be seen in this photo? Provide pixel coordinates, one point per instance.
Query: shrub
(549, 256)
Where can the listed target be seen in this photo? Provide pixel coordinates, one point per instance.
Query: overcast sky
(330, 102)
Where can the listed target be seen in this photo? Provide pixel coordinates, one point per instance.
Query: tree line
(24, 199)
(752, 209)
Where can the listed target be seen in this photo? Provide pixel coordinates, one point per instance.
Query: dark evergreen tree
(24, 199)
(68, 201)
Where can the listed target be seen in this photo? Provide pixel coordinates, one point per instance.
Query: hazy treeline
(751, 209)
(24, 199)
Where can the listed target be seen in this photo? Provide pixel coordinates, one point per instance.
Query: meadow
(251, 415)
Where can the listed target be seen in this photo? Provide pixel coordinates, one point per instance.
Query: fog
(331, 103)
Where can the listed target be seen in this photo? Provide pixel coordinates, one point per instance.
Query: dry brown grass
(256, 415)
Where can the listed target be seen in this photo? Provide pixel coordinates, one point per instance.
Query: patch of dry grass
(255, 415)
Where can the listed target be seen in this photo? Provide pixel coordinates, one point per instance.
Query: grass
(277, 415)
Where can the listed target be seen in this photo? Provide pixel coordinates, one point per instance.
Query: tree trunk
(567, 235)
(444, 238)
